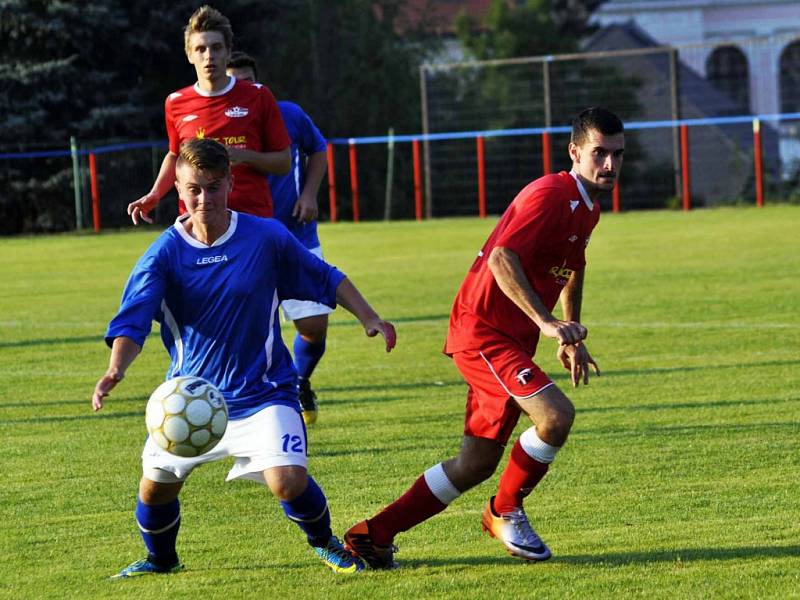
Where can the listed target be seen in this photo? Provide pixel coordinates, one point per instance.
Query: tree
(100, 70)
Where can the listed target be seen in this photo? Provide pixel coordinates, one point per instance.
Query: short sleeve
(303, 276)
(530, 228)
(311, 140)
(141, 301)
(276, 137)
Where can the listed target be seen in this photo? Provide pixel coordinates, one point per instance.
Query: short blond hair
(205, 155)
(205, 19)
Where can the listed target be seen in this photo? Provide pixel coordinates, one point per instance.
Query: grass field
(681, 478)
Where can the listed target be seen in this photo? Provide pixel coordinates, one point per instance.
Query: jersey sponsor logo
(560, 273)
(188, 118)
(236, 111)
(200, 133)
(174, 95)
(524, 376)
(230, 140)
(573, 204)
(210, 260)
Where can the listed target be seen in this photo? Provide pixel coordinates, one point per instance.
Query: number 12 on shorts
(292, 443)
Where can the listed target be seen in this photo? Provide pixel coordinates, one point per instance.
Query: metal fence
(488, 128)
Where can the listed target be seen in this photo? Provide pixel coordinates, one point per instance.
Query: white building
(757, 41)
(748, 49)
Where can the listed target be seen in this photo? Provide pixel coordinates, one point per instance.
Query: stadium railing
(115, 175)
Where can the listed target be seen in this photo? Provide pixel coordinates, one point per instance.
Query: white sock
(440, 485)
(536, 448)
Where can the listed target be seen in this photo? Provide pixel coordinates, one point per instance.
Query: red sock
(518, 480)
(415, 506)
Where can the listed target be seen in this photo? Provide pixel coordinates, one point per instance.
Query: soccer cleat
(337, 558)
(308, 401)
(359, 541)
(146, 567)
(516, 533)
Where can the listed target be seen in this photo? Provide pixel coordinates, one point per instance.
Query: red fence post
(547, 155)
(417, 181)
(759, 163)
(331, 183)
(95, 192)
(481, 177)
(686, 178)
(615, 198)
(354, 180)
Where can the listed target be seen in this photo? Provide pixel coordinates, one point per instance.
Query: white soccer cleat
(516, 533)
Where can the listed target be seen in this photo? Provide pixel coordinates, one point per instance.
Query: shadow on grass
(619, 559)
(689, 369)
(54, 341)
(100, 339)
(681, 555)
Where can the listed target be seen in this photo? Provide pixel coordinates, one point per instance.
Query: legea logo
(236, 111)
(210, 260)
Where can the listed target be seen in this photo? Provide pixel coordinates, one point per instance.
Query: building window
(790, 78)
(726, 70)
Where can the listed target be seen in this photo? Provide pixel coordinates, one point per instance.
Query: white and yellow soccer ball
(186, 416)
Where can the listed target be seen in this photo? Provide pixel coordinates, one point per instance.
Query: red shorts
(496, 374)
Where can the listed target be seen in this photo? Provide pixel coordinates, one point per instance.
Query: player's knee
(286, 483)
(474, 469)
(154, 492)
(556, 425)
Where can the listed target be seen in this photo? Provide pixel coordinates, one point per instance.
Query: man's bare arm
(165, 181)
(269, 163)
(510, 276)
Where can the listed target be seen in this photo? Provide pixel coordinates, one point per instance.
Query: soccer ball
(186, 416)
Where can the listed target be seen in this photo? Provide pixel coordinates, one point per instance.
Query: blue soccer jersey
(218, 307)
(306, 140)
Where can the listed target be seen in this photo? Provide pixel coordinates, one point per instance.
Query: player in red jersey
(239, 114)
(534, 256)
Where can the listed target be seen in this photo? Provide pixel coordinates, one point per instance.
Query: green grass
(681, 478)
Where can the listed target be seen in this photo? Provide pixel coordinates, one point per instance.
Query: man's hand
(140, 209)
(576, 359)
(104, 386)
(566, 332)
(305, 209)
(385, 328)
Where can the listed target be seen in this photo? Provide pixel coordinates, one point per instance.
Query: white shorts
(273, 437)
(302, 309)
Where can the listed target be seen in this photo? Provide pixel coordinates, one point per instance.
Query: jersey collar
(225, 90)
(197, 244)
(582, 191)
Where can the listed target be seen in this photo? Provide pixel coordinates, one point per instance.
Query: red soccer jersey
(243, 115)
(548, 226)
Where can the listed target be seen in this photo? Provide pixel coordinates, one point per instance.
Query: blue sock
(159, 524)
(310, 511)
(306, 356)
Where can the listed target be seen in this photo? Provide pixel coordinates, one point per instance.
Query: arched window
(790, 78)
(726, 70)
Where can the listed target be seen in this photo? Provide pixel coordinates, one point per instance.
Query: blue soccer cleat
(146, 567)
(337, 558)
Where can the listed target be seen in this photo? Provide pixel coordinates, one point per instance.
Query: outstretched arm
(165, 181)
(510, 276)
(123, 352)
(348, 296)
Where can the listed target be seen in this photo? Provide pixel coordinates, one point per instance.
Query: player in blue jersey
(294, 198)
(214, 281)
